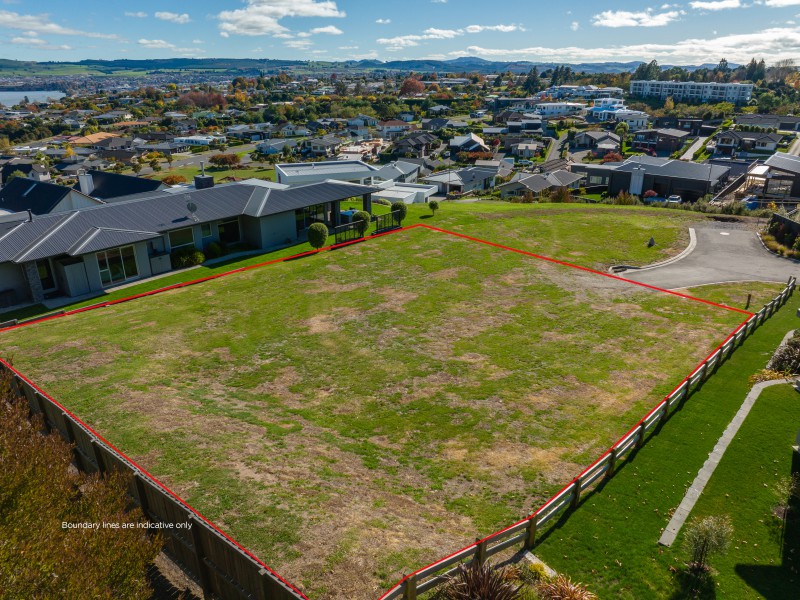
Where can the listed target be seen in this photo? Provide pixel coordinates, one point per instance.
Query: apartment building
(688, 91)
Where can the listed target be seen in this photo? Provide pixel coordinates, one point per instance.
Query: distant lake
(12, 98)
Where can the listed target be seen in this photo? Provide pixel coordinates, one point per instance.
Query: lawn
(417, 390)
(253, 170)
(595, 236)
(610, 543)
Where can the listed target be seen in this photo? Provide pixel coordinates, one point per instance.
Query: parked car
(524, 163)
(674, 199)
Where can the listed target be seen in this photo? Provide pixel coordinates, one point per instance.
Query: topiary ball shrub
(401, 209)
(361, 220)
(186, 257)
(317, 235)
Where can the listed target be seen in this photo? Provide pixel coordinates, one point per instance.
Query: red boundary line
(333, 247)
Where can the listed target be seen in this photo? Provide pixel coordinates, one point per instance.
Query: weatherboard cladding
(158, 213)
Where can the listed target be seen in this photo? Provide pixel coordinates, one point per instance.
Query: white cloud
(503, 28)
(198, 42)
(28, 41)
(319, 52)
(780, 3)
(348, 47)
(42, 24)
(574, 26)
(180, 19)
(329, 29)
(439, 1)
(383, 21)
(262, 17)
(773, 43)
(165, 45)
(298, 44)
(715, 4)
(401, 42)
(138, 15)
(32, 41)
(624, 18)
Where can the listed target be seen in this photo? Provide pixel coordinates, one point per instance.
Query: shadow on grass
(426, 216)
(694, 586)
(779, 582)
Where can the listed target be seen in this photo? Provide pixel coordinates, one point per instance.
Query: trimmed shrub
(317, 235)
(186, 257)
(477, 581)
(213, 250)
(173, 179)
(381, 201)
(361, 220)
(433, 205)
(534, 573)
(401, 208)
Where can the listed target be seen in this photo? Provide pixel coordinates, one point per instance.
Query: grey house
(87, 250)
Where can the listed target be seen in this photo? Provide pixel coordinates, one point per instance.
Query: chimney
(85, 182)
(203, 181)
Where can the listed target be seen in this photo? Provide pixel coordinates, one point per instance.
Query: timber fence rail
(523, 533)
(220, 566)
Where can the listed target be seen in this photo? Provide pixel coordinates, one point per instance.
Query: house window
(181, 237)
(117, 264)
(229, 231)
(205, 228)
(596, 180)
(45, 274)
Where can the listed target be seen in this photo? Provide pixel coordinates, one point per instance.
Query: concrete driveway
(723, 252)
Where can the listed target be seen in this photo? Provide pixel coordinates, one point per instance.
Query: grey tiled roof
(148, 215)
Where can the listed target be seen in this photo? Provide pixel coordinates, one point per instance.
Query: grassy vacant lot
(354, 414)
(611, 541)
(254, 170)
(587, 235)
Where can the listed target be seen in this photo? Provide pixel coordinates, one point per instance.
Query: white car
(674, 199)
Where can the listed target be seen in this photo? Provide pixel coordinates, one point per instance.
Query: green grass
(764, 552)
(257, 171)
(418, 388)
(595, 236)
(611, 541)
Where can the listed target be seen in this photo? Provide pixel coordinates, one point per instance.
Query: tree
(39, 490)
(401, 209)
(155, 165)
(14, 174)
(704, 537)
(225, 160)
(361, 219)
(69, 152)
(411, 87)
(136, 166)
(317, 235)
(173, 179)
(433, 205)
(621, 130)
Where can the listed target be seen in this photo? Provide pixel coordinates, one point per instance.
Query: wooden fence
(523, 533)
(221, 567)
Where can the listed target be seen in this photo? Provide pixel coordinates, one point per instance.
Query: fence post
(202, 567)
(612, 462)
(98, 456)
(40, 401)
(138, 481)
(71, 439)
(640, 436)
(576, 493)
(480, 554)
(410, 592)
(530, 540)
(665, 414)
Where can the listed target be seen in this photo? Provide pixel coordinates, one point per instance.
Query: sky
(693, 32)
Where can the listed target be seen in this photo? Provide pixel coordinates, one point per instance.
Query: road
(555, 147)
(794, 149)
(724, 252)
(693, 148)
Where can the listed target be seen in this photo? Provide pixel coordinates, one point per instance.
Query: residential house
(89, 250)
(292, 130)
(398, 171)
(31, 169)
(530, 124)
(41, 198)
(201, 140)
(664, 176)
(730, 142)
(468, 143)
(111, 186)
(417, 144)
(439, 109)
(393, 128)
(779, 122)
(659, 140)
(635, 119)
(354, 171)
(276, 146)
(537, 184)
(327, 145)
(362, 120)
(601, 142)
(551, 110)
(460, 181)
(406, 116)
(528, 150)
(434, 124)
